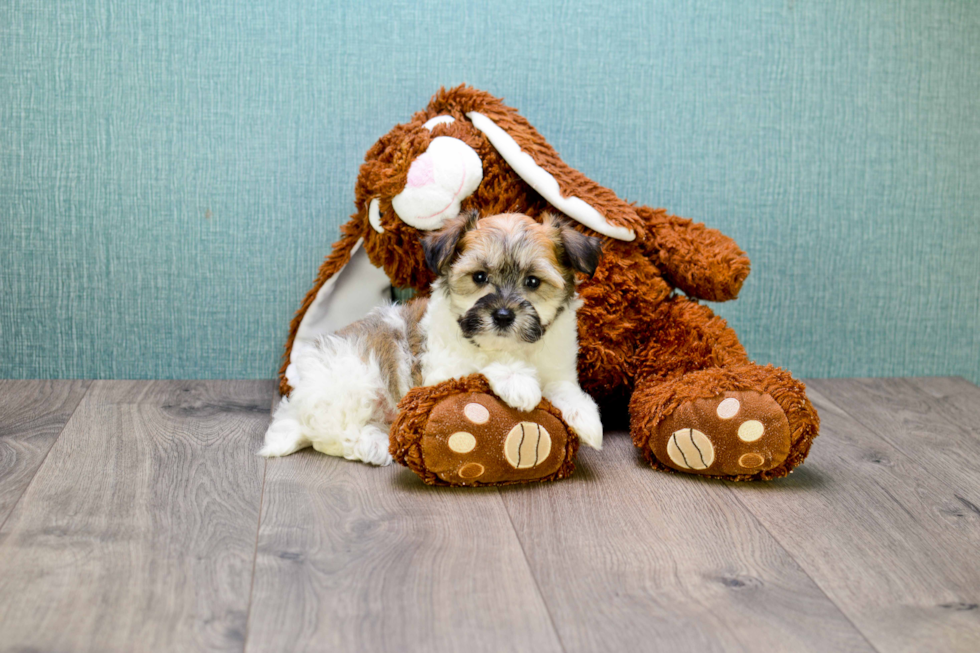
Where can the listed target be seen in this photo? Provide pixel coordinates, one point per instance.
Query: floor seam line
(255, 556)
(16, 503)
(530, 571)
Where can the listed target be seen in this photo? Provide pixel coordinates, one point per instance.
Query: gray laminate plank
(631, 559)
(359, 558)
(887, 541)
(32, 414)
(916, 423)
(955, 398)
(138, 532)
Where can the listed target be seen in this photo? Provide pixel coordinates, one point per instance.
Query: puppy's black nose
(503, 317)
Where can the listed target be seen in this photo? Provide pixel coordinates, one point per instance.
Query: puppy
(503, 306)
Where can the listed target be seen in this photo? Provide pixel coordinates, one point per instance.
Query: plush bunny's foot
(457, 433)
(743, 423)
(734, 433)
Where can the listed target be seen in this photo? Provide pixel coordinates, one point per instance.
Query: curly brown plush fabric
(640, 338)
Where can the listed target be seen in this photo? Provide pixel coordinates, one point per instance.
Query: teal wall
(172, 173)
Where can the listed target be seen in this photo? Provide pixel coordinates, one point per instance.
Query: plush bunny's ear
(347, 287)
(560, 185)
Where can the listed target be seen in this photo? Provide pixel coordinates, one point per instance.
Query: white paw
(371, 446)
(285, 435)
(518, 391)
(585, 421)
(283, 442)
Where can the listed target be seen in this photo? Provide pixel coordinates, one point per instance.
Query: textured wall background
(171, 174)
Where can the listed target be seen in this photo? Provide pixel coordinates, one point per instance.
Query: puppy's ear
(582, 252)
(440, 246)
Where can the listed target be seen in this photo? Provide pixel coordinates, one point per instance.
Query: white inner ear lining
(374, 216)
(544, 182)
(438, 120)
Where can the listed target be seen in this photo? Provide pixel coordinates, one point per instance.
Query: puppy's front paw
(518, 391)
(585, 421)
(579, 411)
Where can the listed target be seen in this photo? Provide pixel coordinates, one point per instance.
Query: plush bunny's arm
(702, 262)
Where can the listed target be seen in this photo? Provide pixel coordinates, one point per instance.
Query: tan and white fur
(503, 306)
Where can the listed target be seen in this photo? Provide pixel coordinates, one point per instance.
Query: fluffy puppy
(503, 306)
(348, 385)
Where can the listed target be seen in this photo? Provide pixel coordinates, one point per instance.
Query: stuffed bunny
(696, 403)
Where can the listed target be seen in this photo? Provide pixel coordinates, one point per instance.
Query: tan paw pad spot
(476, 413)
(728, 408)
(462, 442)
(471, 470)
(527, 445)
(751, 460)
(751, 431)
(690, 449)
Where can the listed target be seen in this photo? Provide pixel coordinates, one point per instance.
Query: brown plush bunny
(697, 404)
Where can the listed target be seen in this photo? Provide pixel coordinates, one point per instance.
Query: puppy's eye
(480, 278)
(532, 282)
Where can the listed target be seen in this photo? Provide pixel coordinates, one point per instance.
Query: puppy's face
(508, 277)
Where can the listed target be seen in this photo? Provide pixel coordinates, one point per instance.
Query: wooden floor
(134, 516)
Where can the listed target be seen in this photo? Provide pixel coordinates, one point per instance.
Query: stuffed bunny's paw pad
(475, 439)
(735, 433)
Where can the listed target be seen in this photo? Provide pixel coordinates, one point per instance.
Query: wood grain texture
(138, 532)
(141, 531)
(955, 398)
(32, 415)
(359, 558)
(890, 543)
(934, 433)
(632, 559)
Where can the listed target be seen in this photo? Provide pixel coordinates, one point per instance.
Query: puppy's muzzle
(503, 314)
(503, 318)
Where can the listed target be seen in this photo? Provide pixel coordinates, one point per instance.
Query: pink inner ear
(420, 173)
